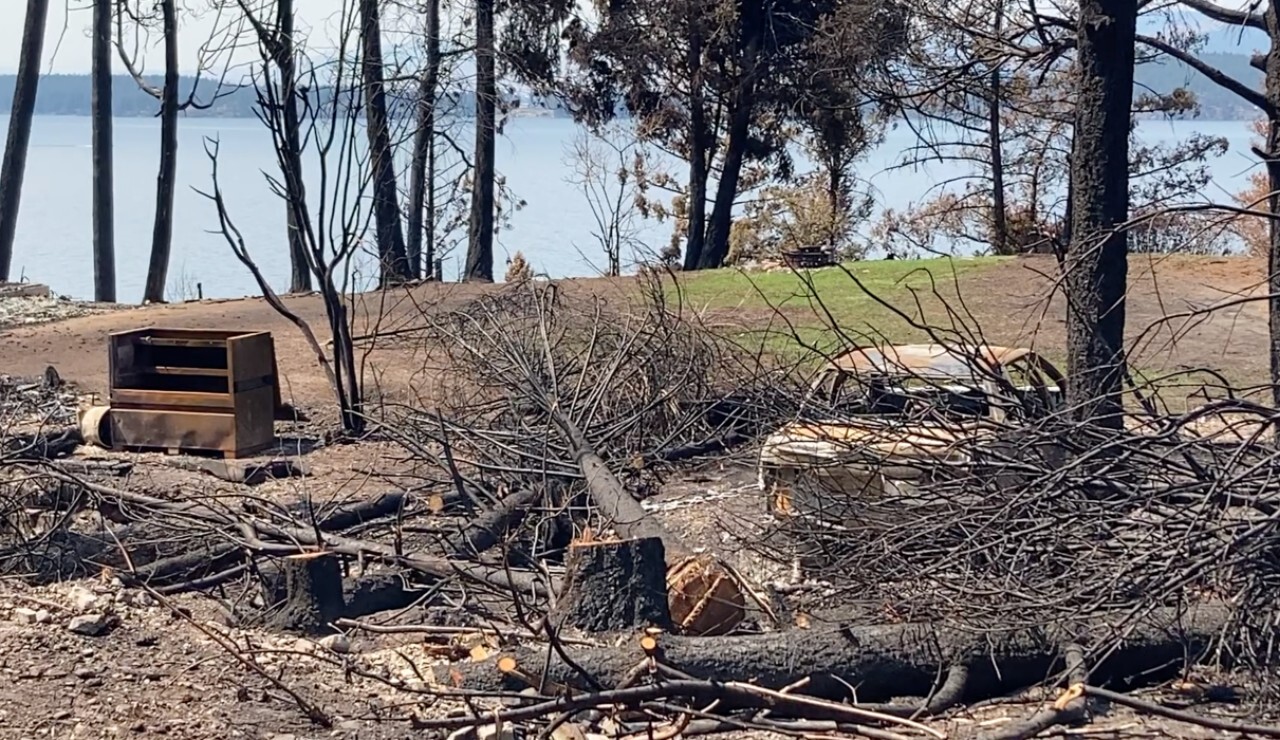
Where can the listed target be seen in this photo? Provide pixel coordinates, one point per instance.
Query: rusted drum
(95, 426)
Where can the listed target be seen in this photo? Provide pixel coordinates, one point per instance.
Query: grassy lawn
(781, 306)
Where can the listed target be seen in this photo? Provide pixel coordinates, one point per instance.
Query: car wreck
(878, 421)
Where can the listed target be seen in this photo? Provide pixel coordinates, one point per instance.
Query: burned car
(878, 420)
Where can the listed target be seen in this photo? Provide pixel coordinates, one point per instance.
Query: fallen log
(612, 586)
(355, 514)
(289, 540)
(491, 527)
(882, 661)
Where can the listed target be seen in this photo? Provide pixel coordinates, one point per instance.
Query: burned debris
(999, 554)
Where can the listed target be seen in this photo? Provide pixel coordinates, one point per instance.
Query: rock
(61, 715)
(85, 673)
(91, 625)
(82, 599)
(340, 644)
(140, 599)
(23, 615)
(43, 616)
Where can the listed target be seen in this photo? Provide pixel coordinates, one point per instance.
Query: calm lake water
(553, 230)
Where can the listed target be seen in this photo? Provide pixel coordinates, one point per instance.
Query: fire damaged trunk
(421, 219)
(167, 179)
(386, 206)
(1097, 257)
(716, 248)
(104, 249)
(15, 149)
(480, 230)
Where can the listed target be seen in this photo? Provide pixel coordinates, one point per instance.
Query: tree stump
(615, 586)
(313, 594)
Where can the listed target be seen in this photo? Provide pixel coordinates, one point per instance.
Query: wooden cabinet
(193, 390)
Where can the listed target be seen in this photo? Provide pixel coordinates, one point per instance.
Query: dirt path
(1011, 302)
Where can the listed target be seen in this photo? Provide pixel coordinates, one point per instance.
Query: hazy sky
(67, 44)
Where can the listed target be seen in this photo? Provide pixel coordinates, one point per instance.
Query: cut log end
(706, 597)
(615, 586)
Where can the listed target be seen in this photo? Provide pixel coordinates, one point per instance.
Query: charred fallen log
(886, 661)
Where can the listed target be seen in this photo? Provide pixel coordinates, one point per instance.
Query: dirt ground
(183, 669)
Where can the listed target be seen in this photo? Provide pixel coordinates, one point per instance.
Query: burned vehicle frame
(880, 421)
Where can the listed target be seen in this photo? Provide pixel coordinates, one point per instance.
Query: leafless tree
(276, 42)
(213, 52)
(104, 250)
(607, 167)
(15, 149)
(332, 222)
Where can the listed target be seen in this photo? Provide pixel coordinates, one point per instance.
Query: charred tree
(699, 148)
(716, 247)
(421, 237)
(15, 149)
(167, 180)
(999, 213)
(386, 204)
(313, 594)
(104, 249)
(480, 230)
(615, 586)
(1097, 257)
(295, 190)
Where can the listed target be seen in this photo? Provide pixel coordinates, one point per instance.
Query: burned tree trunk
(421, 181)
(167, 180)
(884, 661)
(104, 249)
(15, 148)
(386, 205)
(480, 231)
(615, 586)
(1097, 257)
(313, 594)
(295, 190)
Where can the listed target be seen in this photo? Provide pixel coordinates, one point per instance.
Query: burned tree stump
(313, 594)
(614, 586)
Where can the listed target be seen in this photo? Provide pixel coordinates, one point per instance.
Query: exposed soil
(160, 674)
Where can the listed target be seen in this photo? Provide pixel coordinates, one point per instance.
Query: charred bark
(313, 594)
(716, 248)
(615, 586)
(1097, 257)
(698, 151)
(995, 145)
(490, 528)
(14, 164)
(167, 179)
(294, 188)
(884, 661)
(104, 249)
(422, 224)
(386, 204)
(480, 230)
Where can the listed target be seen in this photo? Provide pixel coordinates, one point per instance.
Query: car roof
(926, 360)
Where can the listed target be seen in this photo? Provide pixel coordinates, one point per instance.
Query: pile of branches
(1052, 554)
(535, 379)
(1038, 520)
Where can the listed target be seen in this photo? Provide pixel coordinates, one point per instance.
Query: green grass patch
(785, 310)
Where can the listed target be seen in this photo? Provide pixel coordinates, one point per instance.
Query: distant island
(68, 95)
